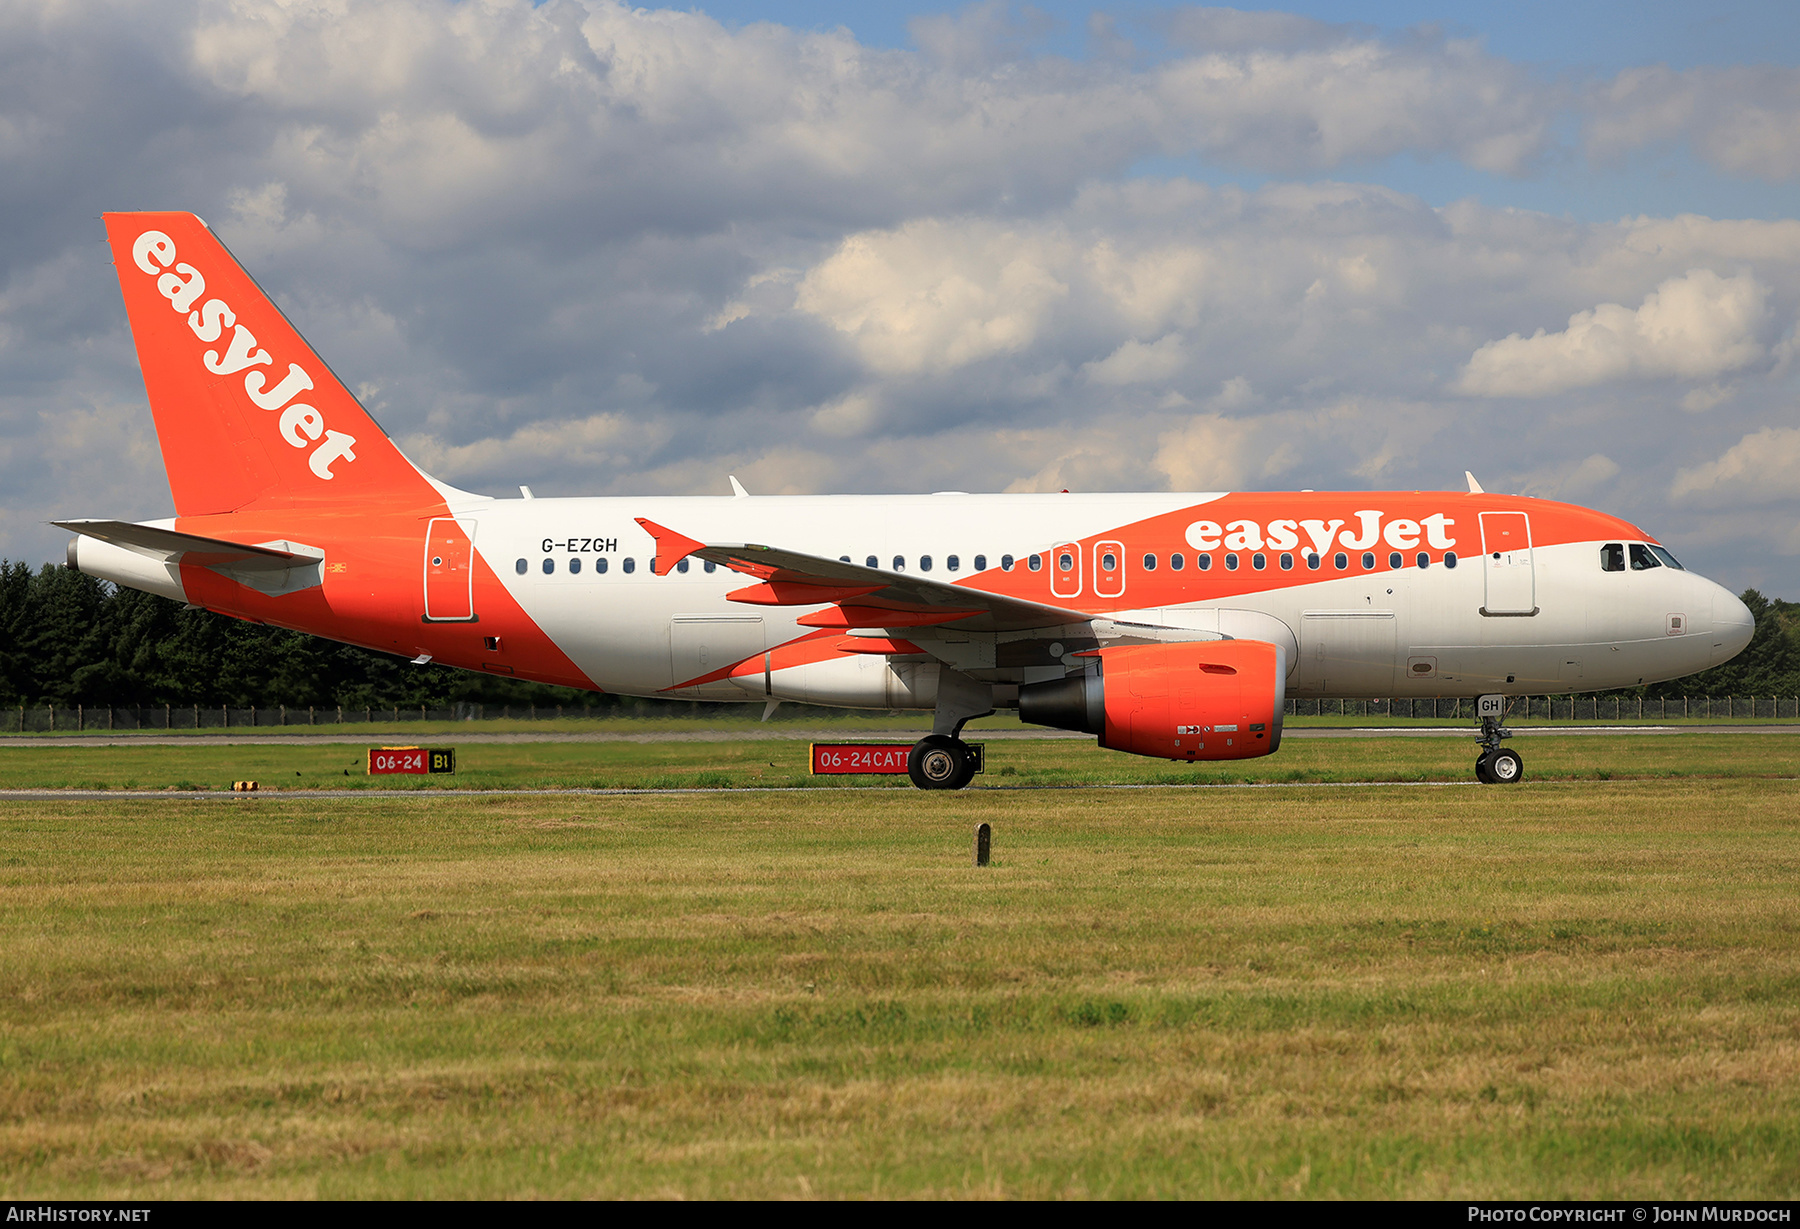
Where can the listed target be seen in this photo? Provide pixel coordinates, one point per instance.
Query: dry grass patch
(1563, 989)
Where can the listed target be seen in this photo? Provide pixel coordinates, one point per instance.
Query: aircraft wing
(861, 597)
(167, 543)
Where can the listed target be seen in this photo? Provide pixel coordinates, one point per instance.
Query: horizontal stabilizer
(161, 543)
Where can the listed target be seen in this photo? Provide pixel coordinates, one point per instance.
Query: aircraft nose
(1732, 625)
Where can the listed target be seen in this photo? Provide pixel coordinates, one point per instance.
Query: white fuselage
(1404, 632)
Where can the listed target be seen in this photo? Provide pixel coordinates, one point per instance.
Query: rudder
(246, 413)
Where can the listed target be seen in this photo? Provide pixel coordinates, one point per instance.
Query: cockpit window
(1668, 559)
(1612, 557)
(1641, 558)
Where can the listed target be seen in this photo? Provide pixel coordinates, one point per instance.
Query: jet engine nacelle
(1204, 700)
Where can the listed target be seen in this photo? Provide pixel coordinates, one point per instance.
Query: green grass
(1567, 989)
(784, 762)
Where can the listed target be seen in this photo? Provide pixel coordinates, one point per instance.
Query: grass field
(1011, 762)
(1581, 988)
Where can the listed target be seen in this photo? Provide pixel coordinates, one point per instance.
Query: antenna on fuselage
(737, 488)
(1474, 486)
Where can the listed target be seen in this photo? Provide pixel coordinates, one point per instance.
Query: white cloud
(1209, 452)
(1234, 394)
(1593, 473)
(1693, 328)
(1761, 468)
(582, 442)
(1359, 98)
(933, 296)
(1582, 480)
(1699, 400)
(1137, 363)
(1745, 120)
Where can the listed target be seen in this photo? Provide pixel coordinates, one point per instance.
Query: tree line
(67, 639)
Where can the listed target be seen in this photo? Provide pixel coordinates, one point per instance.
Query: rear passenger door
(449, 571)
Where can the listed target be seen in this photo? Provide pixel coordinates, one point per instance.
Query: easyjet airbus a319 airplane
(1170, 625)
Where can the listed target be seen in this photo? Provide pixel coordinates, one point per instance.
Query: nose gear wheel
(1497, 765)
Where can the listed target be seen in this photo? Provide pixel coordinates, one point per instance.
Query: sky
(604, 250)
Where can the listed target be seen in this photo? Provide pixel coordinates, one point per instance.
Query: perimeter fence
(45, 719)
(1566, 708)
(42, 719)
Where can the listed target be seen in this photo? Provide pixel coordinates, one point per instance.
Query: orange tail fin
(246, 413)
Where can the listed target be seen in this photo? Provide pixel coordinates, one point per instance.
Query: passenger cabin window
(1109, 562)
(871, 562)
(1368, 561)
(1203, 562)
(952, 563)
(1612, 557)
(1312, 561)
(1287, 561)
(1259, 561)
(682, 567)
(709, 567)
(1231, 563)
(1149, 563)
(574, 567)
(1176, 562)
(1006, 563)
(843, 559)
(924, 563)
(1065, 562)
(1449, 558)
(629, 565)
(981, 563)
(899, 563)
(600, 565)
(521, 567)
(549, 566)
(1035, 562)
(1668, 559)
(1641, 558)
(1340, 561)
(1396, 560)
(1424, 560)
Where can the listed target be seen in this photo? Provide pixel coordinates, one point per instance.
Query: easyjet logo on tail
(301, 425)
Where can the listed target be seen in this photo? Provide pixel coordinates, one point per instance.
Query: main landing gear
(1496, 765)
(941, 761)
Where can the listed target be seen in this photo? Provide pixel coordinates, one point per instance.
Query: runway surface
(246, 739)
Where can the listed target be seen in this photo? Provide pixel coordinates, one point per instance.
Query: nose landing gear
(1496, 765)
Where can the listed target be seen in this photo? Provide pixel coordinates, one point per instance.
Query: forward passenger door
(1511, 581)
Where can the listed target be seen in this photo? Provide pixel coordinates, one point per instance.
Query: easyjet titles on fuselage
(1401, 533)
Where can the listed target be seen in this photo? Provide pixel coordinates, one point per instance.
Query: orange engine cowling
(1204, 700)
